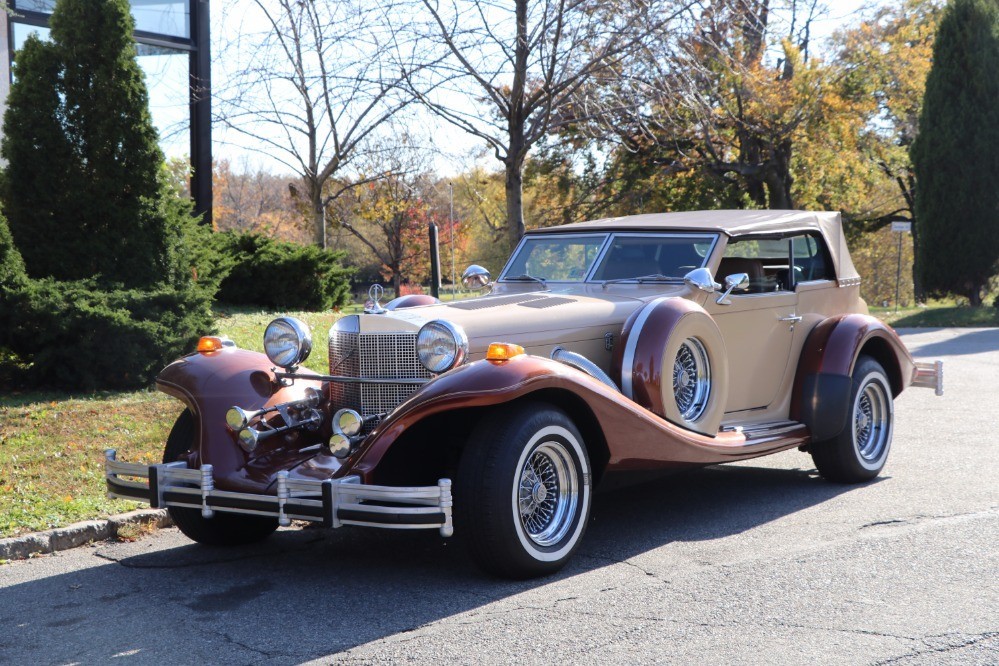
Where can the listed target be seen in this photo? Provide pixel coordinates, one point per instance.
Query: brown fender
(823, 379)
(209, 384)
(411, 301)
(644, 359)
(636, 438)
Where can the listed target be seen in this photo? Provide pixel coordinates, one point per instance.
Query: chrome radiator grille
(381, 355)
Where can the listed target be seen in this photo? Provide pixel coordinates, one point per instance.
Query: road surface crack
(967, 641)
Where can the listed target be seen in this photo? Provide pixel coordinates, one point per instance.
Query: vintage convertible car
(603, 348)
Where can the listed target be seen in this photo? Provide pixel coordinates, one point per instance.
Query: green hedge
(81, 336)
(282, 276)
(73, 336)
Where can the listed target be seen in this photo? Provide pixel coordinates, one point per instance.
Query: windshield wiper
(525, 277)
(654, 277)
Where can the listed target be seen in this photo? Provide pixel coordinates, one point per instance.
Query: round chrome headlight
(441, 345)
(287, 342)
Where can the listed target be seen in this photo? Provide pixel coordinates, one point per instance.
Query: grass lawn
(942, 314)
(52, 444)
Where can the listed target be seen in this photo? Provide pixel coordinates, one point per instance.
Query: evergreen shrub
(105, 276)
(75, 336)
(281, 276)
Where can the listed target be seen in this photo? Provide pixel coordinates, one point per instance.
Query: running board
(766, 430)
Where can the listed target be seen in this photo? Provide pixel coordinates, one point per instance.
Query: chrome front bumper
(334, 502)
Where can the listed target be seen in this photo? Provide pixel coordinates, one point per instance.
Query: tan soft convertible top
(733, 223)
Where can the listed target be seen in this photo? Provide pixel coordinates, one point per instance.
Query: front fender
(824, 377)
(636, 438)
(209, 384)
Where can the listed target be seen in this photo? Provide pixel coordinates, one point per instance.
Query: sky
(458, 148)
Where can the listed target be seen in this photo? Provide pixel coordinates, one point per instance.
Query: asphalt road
(760, 562)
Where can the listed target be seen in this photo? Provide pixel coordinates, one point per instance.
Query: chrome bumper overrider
(334, 502)
(929, 375)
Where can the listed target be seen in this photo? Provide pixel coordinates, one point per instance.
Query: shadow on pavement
(306, 594)
(973, 341)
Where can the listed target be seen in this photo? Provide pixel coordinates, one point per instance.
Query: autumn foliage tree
(391, 217)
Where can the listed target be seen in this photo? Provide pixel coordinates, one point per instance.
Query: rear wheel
(223, 529)
(522, 494)
(860, 451)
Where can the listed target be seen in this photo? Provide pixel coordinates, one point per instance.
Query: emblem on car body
(375, 293)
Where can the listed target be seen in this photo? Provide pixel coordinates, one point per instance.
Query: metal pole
(898, 271)
(450, 220)
(435, 263)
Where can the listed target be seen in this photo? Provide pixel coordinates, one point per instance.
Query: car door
(758, 322)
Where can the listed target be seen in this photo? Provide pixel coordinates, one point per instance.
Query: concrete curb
(78, 534)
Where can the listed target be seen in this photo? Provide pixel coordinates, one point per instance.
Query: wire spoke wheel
(859, 451)
(547, 494)
(691, 379)
(870, 422)
(523, 490)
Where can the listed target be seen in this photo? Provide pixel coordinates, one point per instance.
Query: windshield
(555, 258)
(671, 256)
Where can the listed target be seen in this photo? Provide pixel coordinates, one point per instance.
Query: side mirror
(734, 281)
(701, 278)
(476, 277)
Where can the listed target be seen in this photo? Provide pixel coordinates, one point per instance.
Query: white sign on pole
(902, 227)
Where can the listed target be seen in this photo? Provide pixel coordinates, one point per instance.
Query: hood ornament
(372, 306)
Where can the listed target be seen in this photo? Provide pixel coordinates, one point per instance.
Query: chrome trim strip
(195, 488)
(583, 364)
(353, 380)
(628, 361)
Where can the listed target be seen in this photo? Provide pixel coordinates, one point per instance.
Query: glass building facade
(172, 38)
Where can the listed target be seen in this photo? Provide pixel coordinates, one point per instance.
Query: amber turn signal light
(503, 351)
(209, 344)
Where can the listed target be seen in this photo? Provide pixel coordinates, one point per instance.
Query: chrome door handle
(794, 319)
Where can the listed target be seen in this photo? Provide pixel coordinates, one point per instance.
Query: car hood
(536, 320)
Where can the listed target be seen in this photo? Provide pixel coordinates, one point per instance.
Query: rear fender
(209, 384)
(824, 377)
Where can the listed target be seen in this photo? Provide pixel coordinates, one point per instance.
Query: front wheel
(859, 452)
(223, 529)
(522, 495)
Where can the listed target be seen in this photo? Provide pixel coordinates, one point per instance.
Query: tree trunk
(514, 202)
(917, 281)
(974, 293)
(317, 211)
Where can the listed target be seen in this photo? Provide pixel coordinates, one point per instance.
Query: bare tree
(311, 89)
(509, 73)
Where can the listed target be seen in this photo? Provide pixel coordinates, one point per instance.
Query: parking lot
(758, 562)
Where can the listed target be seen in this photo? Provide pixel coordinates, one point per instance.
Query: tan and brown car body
(782, 364)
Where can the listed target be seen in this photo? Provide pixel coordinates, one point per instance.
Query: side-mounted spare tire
(672, 360)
